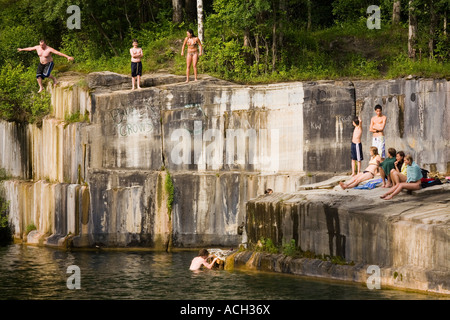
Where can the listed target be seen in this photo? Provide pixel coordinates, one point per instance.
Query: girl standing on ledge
(193, 53)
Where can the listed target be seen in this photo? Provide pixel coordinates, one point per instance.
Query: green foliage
(252, 41)
(169, 188)
(30, 228)
(291, 249)
(4, 175)
(76, 117)
(5, 228)
(19, 100)
(266, 245)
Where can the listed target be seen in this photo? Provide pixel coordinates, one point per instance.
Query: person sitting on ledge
(200, 260)
(385, 168)
(413, 179)
(367, 174)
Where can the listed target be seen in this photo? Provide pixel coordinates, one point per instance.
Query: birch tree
(200, 19)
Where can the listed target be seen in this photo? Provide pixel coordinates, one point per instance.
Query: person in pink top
(201, 260)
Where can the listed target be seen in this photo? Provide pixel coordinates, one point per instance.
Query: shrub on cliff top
(5, 229)
(19, 100)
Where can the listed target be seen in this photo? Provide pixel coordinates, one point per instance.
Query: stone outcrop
(408, 236)
(102, 182)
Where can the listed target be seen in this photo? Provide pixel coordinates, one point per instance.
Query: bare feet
(342, 185)
(389, 197)
(40, 90)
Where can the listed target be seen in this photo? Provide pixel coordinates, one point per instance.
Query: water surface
(31, 273)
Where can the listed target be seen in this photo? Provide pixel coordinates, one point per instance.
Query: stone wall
(408, 237)
(418, 118)
(223, 144)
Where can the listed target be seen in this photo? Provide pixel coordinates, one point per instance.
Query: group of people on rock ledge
(46, 64)
(398, 171)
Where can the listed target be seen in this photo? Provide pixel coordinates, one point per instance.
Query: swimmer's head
(203, 253)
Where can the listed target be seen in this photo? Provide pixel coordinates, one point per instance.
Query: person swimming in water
(193, 53)
(201, 260)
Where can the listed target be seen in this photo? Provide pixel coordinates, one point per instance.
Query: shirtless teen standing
(356, 146)
(136, 64)
(45, 62)
(377, 124)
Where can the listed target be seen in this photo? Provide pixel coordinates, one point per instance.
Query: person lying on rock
(201, 260)
(413, 179)
(367, 174)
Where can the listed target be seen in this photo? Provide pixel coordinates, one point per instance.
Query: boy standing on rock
(136, 64)
(377, 124)
(356, 147)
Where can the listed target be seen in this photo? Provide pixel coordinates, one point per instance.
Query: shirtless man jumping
(46, 62)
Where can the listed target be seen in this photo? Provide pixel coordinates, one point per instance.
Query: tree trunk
(412, 34)
(257, 55)
(396, 12)
(177, 16)
(274, 36)
(102, 31)
(200, 19)
(190, 9)
(308, 26)
(248, 45)
(432, 29)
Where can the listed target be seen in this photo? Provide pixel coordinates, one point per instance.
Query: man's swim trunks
(379, 143)
(43, 70)
(136, 69)
(357, 153)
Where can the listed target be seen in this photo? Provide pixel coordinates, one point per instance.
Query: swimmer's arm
(209, 265)
(27, 49)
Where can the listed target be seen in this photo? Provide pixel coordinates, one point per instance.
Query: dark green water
(29, 273)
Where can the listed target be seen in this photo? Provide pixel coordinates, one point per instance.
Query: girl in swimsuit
(193, 53)
(367, 174)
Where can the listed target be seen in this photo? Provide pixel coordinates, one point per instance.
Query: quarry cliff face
(174, 164)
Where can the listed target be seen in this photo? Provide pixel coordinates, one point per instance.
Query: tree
(200, 19)
(412, 30)
(396, 12)
(177, 16)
